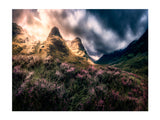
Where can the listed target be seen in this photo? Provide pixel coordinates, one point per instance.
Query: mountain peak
(78, 39)
(55, 31)
(77, 48)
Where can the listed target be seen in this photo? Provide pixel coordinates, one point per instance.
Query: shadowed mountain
(134, 57)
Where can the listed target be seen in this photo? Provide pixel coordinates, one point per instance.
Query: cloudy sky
(101, 31)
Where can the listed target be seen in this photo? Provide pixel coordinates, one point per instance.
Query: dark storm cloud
(125, 26)
(101, 31)
(119, 20)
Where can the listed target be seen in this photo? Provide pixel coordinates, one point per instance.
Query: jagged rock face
(55, 31)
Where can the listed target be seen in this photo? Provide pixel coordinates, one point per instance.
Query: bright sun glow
(39, 27)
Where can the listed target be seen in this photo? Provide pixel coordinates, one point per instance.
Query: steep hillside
(78, 49)
(22, 42)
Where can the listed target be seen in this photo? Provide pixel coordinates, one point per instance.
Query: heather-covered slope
(56, 85)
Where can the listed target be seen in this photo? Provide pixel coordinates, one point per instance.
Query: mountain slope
(54, 78)
(54, 44)
(132, 58)
(19, 40)
(78, 49)
(22, 42)
(56, 47)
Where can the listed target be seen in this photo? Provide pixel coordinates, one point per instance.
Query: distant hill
(133, 58)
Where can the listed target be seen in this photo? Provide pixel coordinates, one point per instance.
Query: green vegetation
(137, 64)
(50, 84)
(134, 58)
